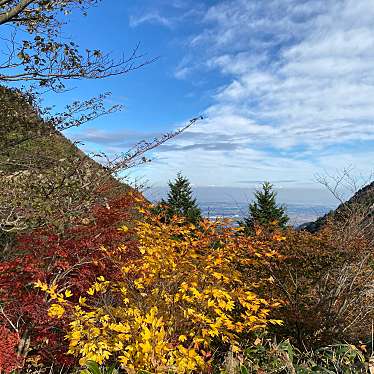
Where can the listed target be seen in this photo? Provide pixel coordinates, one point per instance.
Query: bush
(327, 288)
(10, 360)
(267, 356)
(183, 296)
(73, 259)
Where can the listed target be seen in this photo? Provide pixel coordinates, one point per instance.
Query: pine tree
(180, 201)
(264, 211)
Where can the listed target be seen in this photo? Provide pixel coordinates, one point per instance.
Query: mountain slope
(359, 208)
(45, 178)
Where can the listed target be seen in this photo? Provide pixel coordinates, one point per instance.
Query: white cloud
(297, 97)
(151, 17)
(167, 13)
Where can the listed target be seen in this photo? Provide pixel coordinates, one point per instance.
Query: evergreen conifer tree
(264, 211)
(180, 200)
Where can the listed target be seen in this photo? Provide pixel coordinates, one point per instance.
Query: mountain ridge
(45, 177)
(361, 203)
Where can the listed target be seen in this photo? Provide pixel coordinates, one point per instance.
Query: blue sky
(286, 87)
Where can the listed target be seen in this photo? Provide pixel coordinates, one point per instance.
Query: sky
(286, 88)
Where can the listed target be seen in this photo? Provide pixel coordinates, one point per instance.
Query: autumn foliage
(181, 295)
(73, 259)
(9, 359)
(326, 286)
(123, 286)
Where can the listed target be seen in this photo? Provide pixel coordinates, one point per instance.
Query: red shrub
(9, 360)
(73, 258)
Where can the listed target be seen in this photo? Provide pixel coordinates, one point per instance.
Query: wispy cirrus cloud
(151, 17)
(170, 14)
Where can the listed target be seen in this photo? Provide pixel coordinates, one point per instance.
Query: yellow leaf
(146, 347)
(56, 310)
(235, 349)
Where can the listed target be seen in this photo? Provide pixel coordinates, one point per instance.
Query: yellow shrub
(183, 290)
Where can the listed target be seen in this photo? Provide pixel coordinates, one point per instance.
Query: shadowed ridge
(362, 200)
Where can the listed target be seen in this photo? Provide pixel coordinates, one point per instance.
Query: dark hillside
(360, 208)
(44, 177)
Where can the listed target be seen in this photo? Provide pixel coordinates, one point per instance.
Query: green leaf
(93, 367)
(112, 369)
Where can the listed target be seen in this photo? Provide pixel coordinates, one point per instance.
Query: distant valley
(298, 213)
(303, 204)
